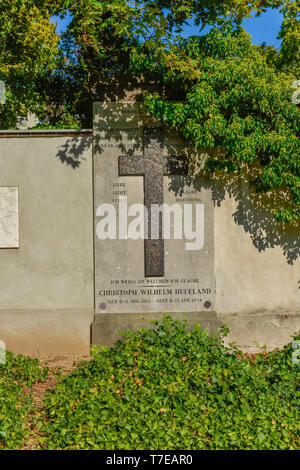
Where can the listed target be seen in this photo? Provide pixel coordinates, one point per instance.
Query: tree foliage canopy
(237, 102)
(28, 46)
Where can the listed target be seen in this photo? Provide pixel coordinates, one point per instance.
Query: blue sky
(262, 29)
(265, 28)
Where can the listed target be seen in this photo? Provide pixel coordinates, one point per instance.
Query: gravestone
(139, 164)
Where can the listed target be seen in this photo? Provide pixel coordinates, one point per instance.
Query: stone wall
(46, 284)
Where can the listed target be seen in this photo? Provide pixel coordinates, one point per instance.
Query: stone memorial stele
(139, 165)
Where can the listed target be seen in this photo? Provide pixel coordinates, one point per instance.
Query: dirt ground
(66, 364)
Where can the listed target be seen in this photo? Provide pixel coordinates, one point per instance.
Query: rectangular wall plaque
(9, 217)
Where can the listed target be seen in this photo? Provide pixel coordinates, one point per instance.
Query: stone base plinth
(268, 328)
(47, 332)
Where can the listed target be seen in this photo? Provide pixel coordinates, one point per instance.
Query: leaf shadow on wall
(253, 211)
(73, 151)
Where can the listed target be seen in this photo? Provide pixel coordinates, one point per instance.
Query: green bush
(170, 388)
(17, 374)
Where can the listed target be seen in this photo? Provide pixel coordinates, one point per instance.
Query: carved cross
(153, 166)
